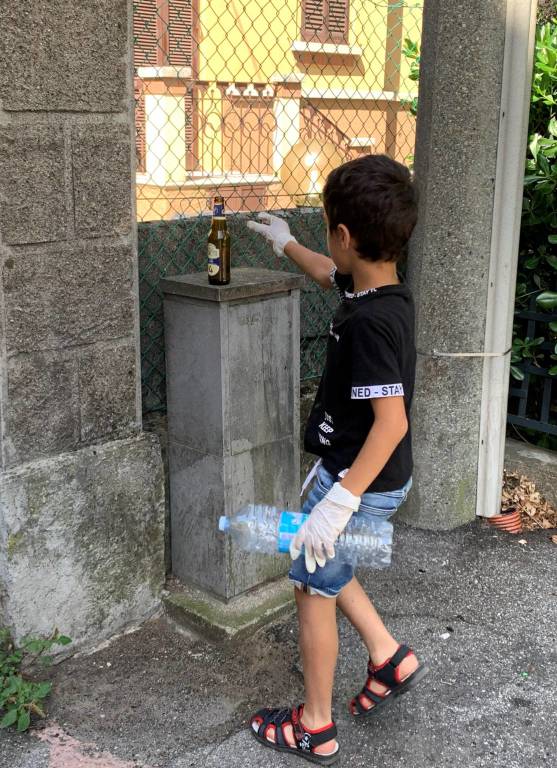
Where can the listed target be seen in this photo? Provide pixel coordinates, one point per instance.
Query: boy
(359, 427)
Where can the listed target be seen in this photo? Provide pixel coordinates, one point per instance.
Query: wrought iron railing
(533, 400)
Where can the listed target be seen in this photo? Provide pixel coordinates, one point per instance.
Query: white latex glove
(275, 230)
(326, 522)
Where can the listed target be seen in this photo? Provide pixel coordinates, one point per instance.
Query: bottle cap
(224, 523)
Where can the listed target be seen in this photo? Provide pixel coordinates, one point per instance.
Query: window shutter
(139, 124)
(337, 21)
(190, 129)
(180, 37)
(313, 20)
(325, 21)
(145, 33)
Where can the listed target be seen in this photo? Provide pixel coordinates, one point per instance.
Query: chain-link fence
(258, 100)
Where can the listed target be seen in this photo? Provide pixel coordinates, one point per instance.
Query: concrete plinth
(232, 356)
(196, 610)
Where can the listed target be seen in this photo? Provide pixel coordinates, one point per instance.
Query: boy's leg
(317, 619)
(381, 645)
(319, 648)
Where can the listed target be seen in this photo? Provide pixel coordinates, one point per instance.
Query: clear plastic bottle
(268, 530)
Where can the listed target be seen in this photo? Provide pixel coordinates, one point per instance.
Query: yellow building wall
(250, 41)
(245, 40)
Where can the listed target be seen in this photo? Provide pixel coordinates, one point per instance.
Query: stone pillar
(232, 357)
(470, 74)
(81, 486)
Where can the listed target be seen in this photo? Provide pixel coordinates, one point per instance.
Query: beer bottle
(219, 246)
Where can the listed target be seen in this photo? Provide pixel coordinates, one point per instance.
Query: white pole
(513, 129)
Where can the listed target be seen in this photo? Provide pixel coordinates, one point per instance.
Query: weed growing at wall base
(21, 696)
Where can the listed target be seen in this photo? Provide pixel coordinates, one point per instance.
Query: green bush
(20, 695)
(537, 260)
(411, 51)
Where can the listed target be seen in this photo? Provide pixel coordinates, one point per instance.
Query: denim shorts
(334, 575)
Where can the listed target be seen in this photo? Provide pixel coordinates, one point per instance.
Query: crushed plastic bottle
(268, 530)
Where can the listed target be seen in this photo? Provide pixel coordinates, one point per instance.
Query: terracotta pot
(509, 521)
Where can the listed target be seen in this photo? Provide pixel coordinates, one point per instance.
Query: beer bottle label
(218, 210)
(214, 260)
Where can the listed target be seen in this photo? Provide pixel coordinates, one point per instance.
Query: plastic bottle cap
(224, 523)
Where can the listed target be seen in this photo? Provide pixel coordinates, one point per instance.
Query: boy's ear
(344, 236)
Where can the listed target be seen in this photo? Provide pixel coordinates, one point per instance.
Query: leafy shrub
(537, 260)
(20, 695)
(411, 51)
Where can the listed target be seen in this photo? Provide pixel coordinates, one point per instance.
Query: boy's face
(340, 247)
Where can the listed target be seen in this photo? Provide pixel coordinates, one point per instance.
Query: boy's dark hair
(375, 198)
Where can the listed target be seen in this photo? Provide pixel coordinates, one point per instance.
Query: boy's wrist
(351, 484)
(339, 494)
(353, 489)
(283, 241)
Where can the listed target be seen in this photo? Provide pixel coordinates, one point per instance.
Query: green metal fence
(258, 102)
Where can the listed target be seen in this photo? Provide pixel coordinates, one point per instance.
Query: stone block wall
(75, 466)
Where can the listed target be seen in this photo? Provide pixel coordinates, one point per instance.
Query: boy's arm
(277, 232)
(387, 431)
(315, 265)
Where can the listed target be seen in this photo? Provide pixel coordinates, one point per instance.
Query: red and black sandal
(306, 739)
(388, 674)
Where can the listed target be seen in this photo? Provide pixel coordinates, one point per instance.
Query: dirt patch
(159, 692)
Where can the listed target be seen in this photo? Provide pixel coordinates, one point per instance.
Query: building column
(210, 129)
(81, 486)
(391, 81)
(469, 166)
(287, 116)
(165, 135)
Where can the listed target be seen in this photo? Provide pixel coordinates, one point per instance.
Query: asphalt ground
(478, 606)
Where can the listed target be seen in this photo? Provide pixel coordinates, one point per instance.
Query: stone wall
(81, 504)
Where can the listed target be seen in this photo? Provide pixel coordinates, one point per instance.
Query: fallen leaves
(536, 512)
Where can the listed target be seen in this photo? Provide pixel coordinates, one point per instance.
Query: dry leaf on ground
(520, 493)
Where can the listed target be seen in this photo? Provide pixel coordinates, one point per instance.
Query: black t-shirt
(370, 354)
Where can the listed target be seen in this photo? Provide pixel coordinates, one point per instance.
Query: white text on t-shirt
(381, 390)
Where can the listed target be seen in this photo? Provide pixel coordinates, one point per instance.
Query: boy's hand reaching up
(326, 522)
(275, 230)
